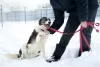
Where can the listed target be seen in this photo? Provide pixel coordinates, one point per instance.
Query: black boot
(60, 48)
(79, 53)
(52, 59)
(84, 49)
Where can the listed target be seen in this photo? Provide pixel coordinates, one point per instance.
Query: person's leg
(71, 26)
(87, 31)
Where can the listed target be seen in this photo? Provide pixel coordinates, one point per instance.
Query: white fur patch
(38, 47)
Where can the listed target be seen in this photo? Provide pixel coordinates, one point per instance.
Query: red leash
(81, 33)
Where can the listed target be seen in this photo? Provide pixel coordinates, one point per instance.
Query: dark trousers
(71, 26)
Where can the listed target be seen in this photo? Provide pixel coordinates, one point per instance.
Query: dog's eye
(42, 30)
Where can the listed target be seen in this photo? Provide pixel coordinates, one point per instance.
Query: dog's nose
(49, 22)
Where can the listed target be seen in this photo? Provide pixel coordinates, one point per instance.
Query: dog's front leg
(43, 52)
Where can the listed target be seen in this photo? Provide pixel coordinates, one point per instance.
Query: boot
(52, 59)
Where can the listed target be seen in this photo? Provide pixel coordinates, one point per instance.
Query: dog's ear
(42, 20)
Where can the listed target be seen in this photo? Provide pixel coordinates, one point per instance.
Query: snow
(14, 34)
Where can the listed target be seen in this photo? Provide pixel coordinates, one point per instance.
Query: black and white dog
(36, 43)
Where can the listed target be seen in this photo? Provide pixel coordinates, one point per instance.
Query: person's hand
(84, 24)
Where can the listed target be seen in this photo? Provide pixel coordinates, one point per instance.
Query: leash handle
(81, 34)
(85, 39)
(92, 25)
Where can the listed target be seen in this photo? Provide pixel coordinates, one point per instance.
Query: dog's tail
(12, 56)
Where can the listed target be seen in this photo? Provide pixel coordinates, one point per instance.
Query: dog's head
(45, 21)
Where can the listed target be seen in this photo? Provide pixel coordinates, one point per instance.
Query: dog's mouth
(47, 25)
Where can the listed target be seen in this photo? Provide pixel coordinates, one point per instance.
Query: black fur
(20, 53)
(32, 37)
(34, 34)
(42, 20)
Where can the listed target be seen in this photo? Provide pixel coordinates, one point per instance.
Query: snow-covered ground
(14, 34)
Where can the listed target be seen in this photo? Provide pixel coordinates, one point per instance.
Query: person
(80, 12)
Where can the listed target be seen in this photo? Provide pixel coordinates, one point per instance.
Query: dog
(36, 43)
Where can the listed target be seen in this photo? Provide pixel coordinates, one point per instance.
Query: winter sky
(23, 3)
